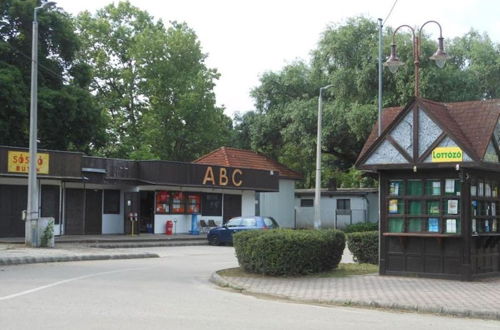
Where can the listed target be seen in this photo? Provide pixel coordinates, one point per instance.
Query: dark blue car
(224, 234)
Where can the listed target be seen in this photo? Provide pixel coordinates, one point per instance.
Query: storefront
(439, 175)
(91, 195)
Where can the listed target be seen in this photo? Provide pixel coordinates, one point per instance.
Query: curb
(146, 244)
(85, 257)
(222, 282)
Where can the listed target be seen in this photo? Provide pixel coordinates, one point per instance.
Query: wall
(359, 207)
(248, 203)
(279, 205)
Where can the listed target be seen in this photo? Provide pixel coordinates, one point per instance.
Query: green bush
(289, 252)
(364, 246)
(361, 226)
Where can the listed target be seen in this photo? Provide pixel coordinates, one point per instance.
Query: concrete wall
(279, 205)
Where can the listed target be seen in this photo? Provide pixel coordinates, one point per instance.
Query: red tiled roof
(470, 124)
(226, 156)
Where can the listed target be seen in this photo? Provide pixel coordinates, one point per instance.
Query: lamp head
(393, 63)
(440, 55)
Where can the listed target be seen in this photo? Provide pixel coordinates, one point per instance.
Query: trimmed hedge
(289, 252)
(364, 246)
(361, 226)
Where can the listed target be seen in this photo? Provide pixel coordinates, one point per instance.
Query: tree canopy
(69, 119)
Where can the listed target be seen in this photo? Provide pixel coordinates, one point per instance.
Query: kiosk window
(178, 202)
(193, 203)
(212, 204)
(111, 201)
(162, 202)
(306, 202)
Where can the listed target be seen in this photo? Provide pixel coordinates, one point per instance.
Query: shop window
(396, 225)
(414, 188)
(178, 203)
(307, 202)
(396, 188)
(193, 203)
(212, 205)
(111, 202)
(162, 202)
(485, 208)
(433, 187)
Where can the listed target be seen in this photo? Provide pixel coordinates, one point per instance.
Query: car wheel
(214, 240)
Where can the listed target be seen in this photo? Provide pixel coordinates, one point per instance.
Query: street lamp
(31, 238)
(440, 56)
(317, 193)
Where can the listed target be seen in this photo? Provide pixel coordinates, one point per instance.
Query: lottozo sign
(447, 154)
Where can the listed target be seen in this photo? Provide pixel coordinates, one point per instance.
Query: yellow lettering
(239, 182)
(223, 179)
(209, 176)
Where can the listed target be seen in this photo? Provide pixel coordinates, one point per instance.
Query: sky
(245, 39)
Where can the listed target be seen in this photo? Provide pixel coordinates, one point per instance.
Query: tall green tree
(68, 117)
(153, 83)
(284, 125)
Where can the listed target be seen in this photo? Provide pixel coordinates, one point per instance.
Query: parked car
(224, 234)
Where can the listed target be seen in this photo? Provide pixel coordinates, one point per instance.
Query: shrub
(289, 252)
(361, 226)
(364, 246)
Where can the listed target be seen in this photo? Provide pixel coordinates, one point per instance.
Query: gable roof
(470, 124)
(233, 157)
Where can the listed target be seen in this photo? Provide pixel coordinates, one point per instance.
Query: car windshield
(234, 222)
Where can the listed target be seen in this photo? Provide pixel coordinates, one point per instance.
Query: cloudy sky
(244, 39)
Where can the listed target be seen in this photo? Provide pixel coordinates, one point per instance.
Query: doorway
(232, 207)
(147, 214)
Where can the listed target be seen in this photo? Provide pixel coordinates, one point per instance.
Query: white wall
(280, 205)
(248, 203)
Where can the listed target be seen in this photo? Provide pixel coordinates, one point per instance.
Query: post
(32, 208)
(379, 76)
(317, 192)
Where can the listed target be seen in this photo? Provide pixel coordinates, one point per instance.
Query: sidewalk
(454, 298)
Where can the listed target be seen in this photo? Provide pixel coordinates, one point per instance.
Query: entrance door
(13, 200)
(232, 207)
(132, 206)
(147, 214)
(93, 212)
(74, 211)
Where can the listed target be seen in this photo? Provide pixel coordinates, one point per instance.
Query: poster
(473, 190)
(436, 188)
(494, 226)
(453, 206)
(451, 226)
(474, 226)
(449, 186)
(394, 188)
(433, 225)
(481, 189)
(393, 206)
(433, 207)
(487, 192)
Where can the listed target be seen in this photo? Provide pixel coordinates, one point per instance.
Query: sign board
(447, 154)
(18, 162)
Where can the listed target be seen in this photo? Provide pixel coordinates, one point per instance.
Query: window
(485, 208)
(162, 202)
(248, 222)
(111, 201)
(270, 223)
(212, 205)
(178, 203)
(306, 202)
(193, 203)
(343, 204)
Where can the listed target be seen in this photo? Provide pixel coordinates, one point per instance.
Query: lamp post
(31, 238)
(440, 56)
(317, 192)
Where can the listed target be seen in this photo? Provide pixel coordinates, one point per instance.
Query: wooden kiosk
(439, 174)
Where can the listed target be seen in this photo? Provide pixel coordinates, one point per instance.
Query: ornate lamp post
(440, 56)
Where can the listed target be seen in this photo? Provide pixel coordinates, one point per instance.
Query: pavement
(13, 251)
(478, 299)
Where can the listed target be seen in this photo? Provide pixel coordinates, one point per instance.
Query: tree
(284, 125)
(153, 84)
(68, 117)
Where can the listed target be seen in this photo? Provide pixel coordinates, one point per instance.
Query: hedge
(364, 246)
(361, 226)
(289, 252)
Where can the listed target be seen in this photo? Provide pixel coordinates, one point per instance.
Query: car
(224, 235)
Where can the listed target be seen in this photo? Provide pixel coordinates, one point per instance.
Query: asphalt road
(173, 292)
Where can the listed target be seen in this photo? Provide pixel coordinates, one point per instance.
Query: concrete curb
(84, 257)
(146, 244)
(442, 310)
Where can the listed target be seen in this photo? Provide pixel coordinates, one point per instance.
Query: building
(439, 175)
(339, 208)
(278, 204)
(92, 195)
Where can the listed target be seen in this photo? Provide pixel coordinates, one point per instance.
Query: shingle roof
(233, 157)
(470, 124)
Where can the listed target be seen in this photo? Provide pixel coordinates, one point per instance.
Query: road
(173, 292)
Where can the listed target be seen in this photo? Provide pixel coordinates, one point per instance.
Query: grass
(343, 270)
